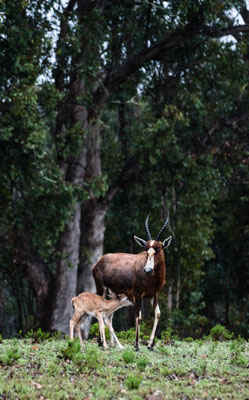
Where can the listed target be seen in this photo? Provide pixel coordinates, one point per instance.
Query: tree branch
(119, 75)
(127, 172)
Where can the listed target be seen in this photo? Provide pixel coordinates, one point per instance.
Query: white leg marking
(157, 316)
(102, 330)
(112, 333)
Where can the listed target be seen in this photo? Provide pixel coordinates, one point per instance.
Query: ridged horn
(147, 227)
(163, 227)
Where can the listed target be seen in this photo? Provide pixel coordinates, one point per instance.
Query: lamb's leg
(111, 330)
(73, 321)
(101, 291)
(102, 330)
(78, 325)
(112, 333)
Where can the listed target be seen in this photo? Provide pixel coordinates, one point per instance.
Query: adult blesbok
(137, 275)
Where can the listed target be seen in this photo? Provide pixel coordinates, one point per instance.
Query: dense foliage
(113, 111)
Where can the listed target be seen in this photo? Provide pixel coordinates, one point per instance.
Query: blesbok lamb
(136, 275)
(86, 304)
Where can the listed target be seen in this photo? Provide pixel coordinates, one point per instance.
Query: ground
(56, 368)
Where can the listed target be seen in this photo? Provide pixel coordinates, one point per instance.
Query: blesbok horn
(147, 227)
(163, 227)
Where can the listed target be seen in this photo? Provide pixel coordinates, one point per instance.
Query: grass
(60, 369)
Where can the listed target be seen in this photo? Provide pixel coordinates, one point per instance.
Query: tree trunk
(66, 274)
(91, 249)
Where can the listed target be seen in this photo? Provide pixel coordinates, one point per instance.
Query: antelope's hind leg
(78, 324)
(138, 315)
(102, 330)
(157, 316)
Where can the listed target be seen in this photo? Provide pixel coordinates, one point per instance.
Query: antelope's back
(116, 272)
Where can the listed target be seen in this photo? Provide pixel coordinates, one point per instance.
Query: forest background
(110, 110)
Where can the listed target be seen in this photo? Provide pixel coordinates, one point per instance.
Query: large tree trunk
(66, 274)
(91, 248)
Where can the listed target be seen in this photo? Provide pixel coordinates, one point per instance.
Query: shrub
(94, 331)
(11, 355)
(166, 336)
(72, 351)
(220, 333)
(142, 363)
(165, 371)
(129, 335)
(188, 339)
(92, 358)
(128, 356)
(38, 336)
(133, 382)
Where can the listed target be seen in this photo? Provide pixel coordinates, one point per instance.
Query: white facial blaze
(149, 266)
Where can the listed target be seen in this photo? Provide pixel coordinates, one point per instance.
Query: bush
(129, 335)
(92, 358)
(94, 331)
(188, 339)
(72, 351)
(11, 355)
(220, 333)
(37, 336)
(142, 363)
(166, 336)
(133, 382)
(128, 356)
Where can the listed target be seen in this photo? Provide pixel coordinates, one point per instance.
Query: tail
(72, 301)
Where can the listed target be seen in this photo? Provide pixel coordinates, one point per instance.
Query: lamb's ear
(139, 241)
(166, 242)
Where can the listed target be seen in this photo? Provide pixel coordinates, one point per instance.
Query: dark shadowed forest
(110, 110)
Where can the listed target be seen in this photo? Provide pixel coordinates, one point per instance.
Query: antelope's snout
(149, 266)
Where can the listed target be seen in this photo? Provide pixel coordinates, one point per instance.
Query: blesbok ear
(141, 242)
(166, 242)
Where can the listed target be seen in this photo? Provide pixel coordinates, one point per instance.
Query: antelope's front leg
(111, 335)
(138, 314)
(157, 316)
(102, 330)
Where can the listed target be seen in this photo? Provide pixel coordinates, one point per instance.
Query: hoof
(150, 348)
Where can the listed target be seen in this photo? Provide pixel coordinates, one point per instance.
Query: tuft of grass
(128, 356)
(127, 336)
(133, 382)
(166, 335)
(142, 362)
(72, 350)
(92, 357)
(11, 355)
